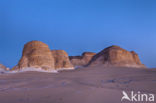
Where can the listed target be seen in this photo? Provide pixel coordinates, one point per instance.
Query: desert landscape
(43, 75)
(77, 51)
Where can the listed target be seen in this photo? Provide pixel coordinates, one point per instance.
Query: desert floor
(83, 85)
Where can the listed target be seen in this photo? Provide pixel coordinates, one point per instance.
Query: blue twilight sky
(77, 26)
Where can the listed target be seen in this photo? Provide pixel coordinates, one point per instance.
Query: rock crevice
(81, 60)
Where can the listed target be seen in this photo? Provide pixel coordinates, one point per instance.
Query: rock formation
(3, 68)
(36, 54)
(117, 57)
(81, 60)
(61, 60)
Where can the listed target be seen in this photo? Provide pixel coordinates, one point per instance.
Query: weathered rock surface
(61, 59)
(117, 57)
(3, 69)
(36, 54)
(81, 60)
(2, 66)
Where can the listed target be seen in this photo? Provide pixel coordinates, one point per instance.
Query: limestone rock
(2, 66)
(61, 60)
(36, 54)
(3, 69)
(116, 57)
(81, 60)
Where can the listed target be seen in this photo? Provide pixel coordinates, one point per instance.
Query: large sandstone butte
(61, 60)
(81, 60)
(116, 57)
(36, 54)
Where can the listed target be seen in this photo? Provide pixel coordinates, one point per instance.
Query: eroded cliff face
(61, 60)
(81, 60)
(116, 57)
(36, 54)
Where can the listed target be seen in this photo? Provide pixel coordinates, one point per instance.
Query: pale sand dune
(85, 85)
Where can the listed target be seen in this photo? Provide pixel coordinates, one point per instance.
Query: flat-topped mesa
(36, 54)
(61, 60)
(81, 60)
(117, 57)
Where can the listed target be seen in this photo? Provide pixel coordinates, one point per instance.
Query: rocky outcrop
(61, 60)
(36, 54)
(3, 69)
(116, 57)
(81, 60)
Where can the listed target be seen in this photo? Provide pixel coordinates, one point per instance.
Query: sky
(77, 26)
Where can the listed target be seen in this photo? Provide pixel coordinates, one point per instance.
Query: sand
(84, 85)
